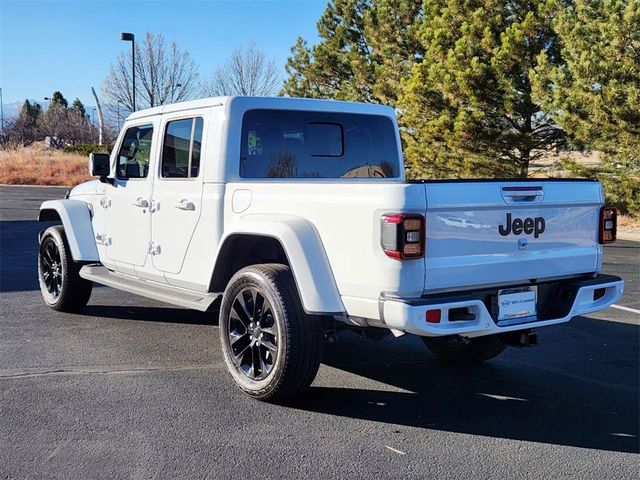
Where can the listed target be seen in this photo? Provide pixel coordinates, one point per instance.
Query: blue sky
(68, 45)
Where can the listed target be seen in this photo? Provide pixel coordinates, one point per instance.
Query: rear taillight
(403, 236)
(608, 224)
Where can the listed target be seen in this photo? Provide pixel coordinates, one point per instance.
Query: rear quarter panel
(346, 216)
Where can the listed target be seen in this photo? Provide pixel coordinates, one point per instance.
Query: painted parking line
(626, 309)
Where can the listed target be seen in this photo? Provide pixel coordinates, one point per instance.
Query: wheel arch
(75, 217)
(278, 239)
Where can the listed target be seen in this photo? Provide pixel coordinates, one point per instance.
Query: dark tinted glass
(177, 146)
(135, 151)
(175, 152)
(197, 145)
(296, 144)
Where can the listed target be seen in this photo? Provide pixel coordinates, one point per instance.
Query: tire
(465, 351)
(61, 286)
(272, 348)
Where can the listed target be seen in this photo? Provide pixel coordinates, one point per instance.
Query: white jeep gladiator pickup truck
(291, 217)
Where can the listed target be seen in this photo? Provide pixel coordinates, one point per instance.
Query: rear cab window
(181, 148)
(303, 144)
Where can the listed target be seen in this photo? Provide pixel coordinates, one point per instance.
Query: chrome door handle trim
(185, 204)
(141, 202)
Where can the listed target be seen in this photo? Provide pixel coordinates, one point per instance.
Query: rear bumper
(409, 315)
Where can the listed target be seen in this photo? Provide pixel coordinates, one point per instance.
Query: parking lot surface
(132, 388)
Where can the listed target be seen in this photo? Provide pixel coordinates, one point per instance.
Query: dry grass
(39, 166)
(628, 224)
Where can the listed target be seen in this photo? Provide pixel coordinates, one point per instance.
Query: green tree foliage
(30, 112)
(58, 100)
(337, 67)
(468, 104)
(366, 47)
(78, 107)
(458, 70)
(595, 93)
(391, 28)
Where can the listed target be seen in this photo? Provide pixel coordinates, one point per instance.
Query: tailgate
(482, 233)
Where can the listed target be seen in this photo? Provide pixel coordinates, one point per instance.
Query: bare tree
(163, 75)
(245, 73)
(18, 131)
(65, 126)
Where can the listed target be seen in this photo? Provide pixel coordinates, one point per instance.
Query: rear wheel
(60, 283)
(462, 350)
(272, 348)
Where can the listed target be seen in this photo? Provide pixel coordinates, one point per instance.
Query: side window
(181, 148)
(135, 152)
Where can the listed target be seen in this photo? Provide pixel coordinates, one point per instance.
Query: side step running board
(146, 288)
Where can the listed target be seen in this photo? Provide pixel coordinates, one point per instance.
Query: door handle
(520, 194)
(185, 204)
(141, 202)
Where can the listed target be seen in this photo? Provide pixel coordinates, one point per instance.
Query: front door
(177, 193)
(127, 200)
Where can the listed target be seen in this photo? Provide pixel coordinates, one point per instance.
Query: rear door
(177, 193)
(493, 233)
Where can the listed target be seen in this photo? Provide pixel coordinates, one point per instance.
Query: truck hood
(91, 187)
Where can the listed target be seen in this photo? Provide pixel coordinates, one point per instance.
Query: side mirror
(99, 165)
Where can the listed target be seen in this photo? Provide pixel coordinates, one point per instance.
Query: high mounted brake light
(403, 236)
(608, 224)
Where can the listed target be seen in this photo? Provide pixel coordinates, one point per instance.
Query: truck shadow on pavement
(18, 254)
(152, 314)
(579, 389)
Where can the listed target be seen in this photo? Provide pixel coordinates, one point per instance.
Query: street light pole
(1, 112)
(130, 37)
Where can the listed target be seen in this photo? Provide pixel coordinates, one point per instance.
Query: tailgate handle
(522, 194)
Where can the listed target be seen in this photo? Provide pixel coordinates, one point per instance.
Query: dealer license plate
(516, 303)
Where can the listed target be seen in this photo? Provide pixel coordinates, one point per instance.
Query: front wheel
(59, 276)
(272, 348)
(462, 350)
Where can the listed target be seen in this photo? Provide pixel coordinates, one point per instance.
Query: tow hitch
(525, 338)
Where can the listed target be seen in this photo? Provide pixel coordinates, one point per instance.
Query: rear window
(297, 144)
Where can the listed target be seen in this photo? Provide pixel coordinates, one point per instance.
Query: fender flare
(306, 255)
(76, 220)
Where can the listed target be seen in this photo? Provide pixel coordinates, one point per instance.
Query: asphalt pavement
(132, 388)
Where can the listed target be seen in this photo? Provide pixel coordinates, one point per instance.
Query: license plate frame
(517, 304)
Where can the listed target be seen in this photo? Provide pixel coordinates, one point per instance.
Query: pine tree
(58, 100)
(78, 107)
(337, 67)
(30, 112)
(467, 105)
(301, 81)
(366, 47)
(595, 93)
(391, 30)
